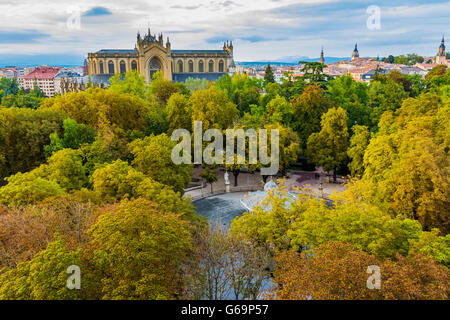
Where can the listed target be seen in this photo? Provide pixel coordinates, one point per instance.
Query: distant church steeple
(355, 54)
(322, 59)
(441, 56)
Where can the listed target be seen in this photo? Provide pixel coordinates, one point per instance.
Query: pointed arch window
(154, 66)
(102, 71)
(123, 68)
(191, 66)
(133, 65)
(111, 67)
(180, 66)
(200, 66)
(211, 66)
(221, 66)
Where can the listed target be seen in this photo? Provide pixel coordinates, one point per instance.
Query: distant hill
(22, 60)
(256, 64)
(73, 60)
(287, 61)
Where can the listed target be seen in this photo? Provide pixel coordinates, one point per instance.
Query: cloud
(251, 38)
(260, 29)
(227, 3)
(28, 36)
(255, 38)
(186, 7)
(185, 31)
(97, 11)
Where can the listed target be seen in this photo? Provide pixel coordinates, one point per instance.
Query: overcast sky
(260, 30)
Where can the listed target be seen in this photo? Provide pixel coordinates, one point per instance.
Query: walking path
(254, 181)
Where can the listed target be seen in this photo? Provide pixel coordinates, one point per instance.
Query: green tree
(210, 176)
(268, 221)
(407, 163)
(353, 97)
(8, 86)
(42, 278)
(432, 244)
(179, 112)
(389, 59)
(279, 110)
(73, 137)
(328, 147)
(365, 226)
(410, 59)
(162, 89)
(268, 75)
(358, 144)
(313, 72)
(117, 180)
(292, 87)
(132, 83)
(435, 77)
(139, 251)
(66, 168)
(196, 84)
(152, 156)
(213, 108)
(383, 97)
(91, 107)
(157, 119)
(308, 109)
(289, 146)
(64, 172)
(28, 188)
(23, 136)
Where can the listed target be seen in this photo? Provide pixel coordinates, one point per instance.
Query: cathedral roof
(119, 51)
(134, 51)
(198, 51)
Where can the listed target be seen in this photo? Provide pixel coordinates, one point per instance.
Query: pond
(221, 209)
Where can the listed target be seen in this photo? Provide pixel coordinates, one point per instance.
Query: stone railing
(206, 192)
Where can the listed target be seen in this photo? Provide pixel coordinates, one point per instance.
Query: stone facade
(151, 54)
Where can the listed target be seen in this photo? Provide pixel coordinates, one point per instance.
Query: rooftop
(120, 51)
(198, 51)
(42, 73)
(134, 51)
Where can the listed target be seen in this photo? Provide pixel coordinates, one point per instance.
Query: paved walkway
(254, 181)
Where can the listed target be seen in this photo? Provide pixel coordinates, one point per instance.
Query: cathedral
(151, 55)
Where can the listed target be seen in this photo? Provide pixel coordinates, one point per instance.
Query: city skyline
(267, 31)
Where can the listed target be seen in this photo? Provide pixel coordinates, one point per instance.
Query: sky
(263, 30)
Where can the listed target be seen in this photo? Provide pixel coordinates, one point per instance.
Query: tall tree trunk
(334, 174)
(236, 173)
